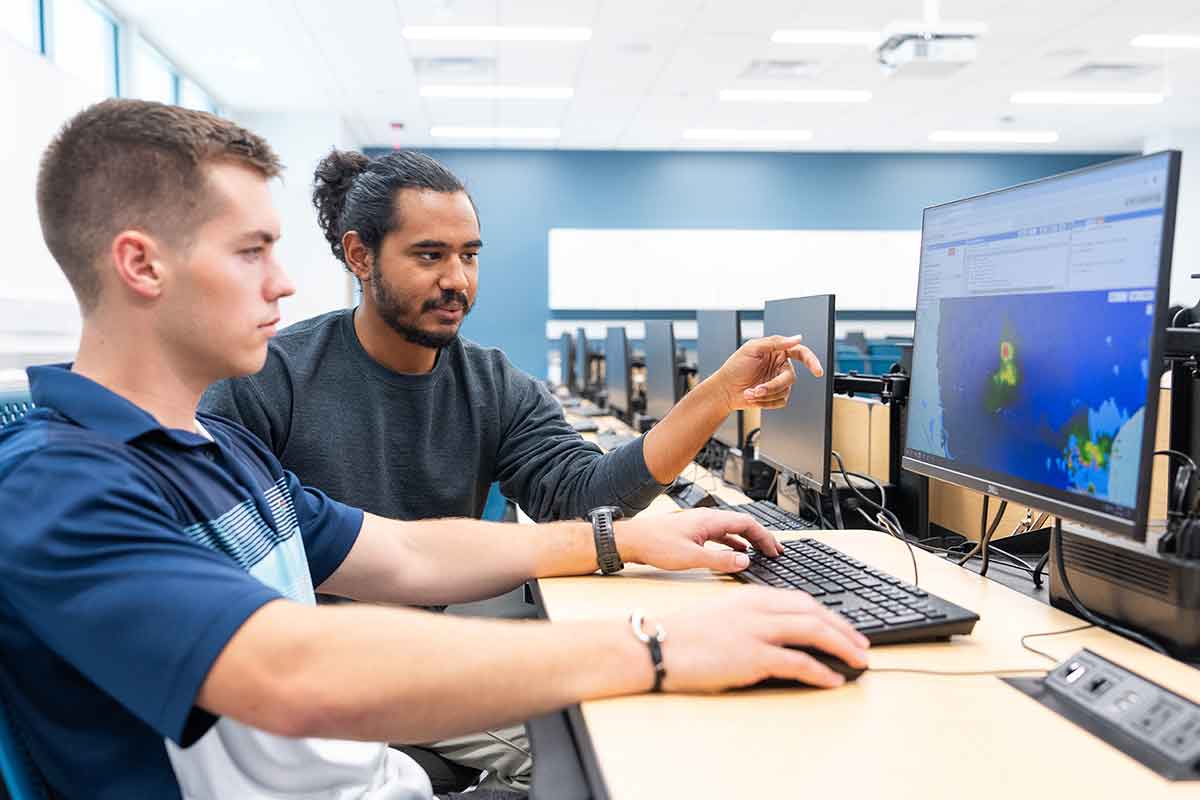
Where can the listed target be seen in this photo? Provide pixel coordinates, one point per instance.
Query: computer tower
(1131, 584)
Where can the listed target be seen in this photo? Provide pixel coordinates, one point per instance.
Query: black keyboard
(880, 606)
(611, 441)
(774, 518)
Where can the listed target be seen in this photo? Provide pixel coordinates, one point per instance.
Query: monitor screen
(1037, 352)
(797, 438)
(582, 366)
(661, 370)
(566, 357)
(719, 333)
(617, 370)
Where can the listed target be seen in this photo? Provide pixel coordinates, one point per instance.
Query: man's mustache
(452, 301)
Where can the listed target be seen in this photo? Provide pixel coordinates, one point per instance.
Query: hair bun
(332, 180)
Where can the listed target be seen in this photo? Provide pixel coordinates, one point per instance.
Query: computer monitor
(617, 371)
(796, 438)
(1038, 342)
(718, 335)
(583, 367)
(662, 384)
(566, 357)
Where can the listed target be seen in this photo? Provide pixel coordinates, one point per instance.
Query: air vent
(1108, 73)
(1123, 567)
(779, 70)
(439, 68)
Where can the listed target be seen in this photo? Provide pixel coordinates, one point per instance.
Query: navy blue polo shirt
(131, 553)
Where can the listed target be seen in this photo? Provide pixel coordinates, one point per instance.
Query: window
(153, 78)
(19, 19)
(84, 43)
(192, 96)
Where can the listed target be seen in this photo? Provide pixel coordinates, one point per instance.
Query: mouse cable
(980, 673)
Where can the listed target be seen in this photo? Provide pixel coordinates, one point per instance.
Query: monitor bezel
(1028, 492)
(737, 416)
(583, 376)
(623, 336)
(822, 487)
(659, 327)
(566, 346)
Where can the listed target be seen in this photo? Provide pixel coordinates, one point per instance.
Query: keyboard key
(903, 619)
(867, 626)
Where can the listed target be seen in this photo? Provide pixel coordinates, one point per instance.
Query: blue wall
(522, 194)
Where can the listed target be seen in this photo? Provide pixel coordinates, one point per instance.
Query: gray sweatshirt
(424, 446)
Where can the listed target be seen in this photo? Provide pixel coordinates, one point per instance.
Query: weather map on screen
(1050, 387)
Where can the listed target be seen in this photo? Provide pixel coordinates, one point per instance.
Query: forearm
(672, 444)
(438, 562)
(398, 675)
(465, 560)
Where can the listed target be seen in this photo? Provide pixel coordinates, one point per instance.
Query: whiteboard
(719, 268)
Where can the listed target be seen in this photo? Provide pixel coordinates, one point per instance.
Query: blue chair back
(848, 359)
(21, 776)
(496, 505)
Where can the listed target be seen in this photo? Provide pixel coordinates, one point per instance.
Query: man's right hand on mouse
(743, 639)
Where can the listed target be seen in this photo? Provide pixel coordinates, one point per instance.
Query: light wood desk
(886, 735)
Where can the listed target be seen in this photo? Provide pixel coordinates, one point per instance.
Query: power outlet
(1145, 720)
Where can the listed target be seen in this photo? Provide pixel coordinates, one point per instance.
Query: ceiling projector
(928, 50)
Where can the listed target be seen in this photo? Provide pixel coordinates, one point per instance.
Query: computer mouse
(828, 659)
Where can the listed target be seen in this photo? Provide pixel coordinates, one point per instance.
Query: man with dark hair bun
(387, 408)
(158, 620)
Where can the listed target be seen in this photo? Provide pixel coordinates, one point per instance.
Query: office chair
(22, 781)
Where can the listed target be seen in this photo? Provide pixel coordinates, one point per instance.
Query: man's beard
(394, 311)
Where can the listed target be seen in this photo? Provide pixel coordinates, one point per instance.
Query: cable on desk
(1037, 569)
(837, 506)
(1084, 611)
(884, 520)
(985, 534)
(1015, 562)
(976, 673)
(1026, 637)
(963, 674)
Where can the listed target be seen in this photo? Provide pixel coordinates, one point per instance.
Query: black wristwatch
(606, 544)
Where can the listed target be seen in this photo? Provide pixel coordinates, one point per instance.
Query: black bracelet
(654, 643)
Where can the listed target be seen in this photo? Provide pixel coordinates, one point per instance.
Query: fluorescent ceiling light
(748, 135)
(795, 95)
(1088, 98)
(464, 91)
(825, 37)
(994, 137)
(1166, 40)
(495, 33)
(456, 132)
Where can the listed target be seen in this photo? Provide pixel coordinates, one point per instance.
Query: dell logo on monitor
(992, 489)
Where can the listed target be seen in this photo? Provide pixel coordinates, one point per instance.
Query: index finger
(731, 522)
(808, 358)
